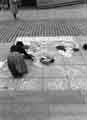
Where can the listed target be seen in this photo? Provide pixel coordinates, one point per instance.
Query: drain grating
(38, 28)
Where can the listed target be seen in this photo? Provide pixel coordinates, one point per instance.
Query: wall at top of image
(54, 3)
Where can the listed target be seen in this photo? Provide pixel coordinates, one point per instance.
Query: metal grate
(10, 31)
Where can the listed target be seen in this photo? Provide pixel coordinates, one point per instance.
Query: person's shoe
(60, 47)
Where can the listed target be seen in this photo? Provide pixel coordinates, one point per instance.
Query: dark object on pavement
(19, 47)
(60, 47)
(16, 64)
(47, 60)
(85, 46)
(75, 49)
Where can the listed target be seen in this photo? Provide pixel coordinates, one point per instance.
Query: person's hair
(12, 48)
(20, 44)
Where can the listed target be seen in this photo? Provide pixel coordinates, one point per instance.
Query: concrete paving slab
(76, 71)
(74, 60)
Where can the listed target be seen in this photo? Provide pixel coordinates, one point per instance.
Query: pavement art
(61, 74)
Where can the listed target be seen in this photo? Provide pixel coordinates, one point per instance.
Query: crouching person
(16, 64)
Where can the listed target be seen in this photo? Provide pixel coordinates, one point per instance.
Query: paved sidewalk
(28, 106)
(64, 73)
(31, 106)
(73, 12)
(67, 12)
(44, 22)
